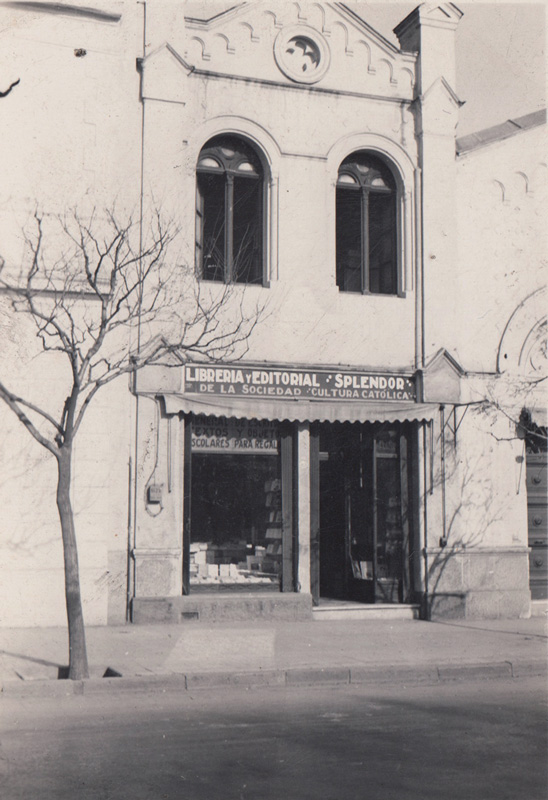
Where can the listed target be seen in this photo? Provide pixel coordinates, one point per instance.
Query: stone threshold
(352, 611)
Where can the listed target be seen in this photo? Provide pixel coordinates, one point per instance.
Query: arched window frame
(235, 159)
(377, 181)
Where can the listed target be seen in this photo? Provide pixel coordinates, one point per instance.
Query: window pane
(345, 178)
(349, 240)
(209, 162)
(211, 243)
(382, 244)
(245, 166)
(247, 253)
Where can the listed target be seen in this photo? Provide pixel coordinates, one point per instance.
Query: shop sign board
(220, 435)
(317, 384)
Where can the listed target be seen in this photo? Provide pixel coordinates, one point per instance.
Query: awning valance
(298, 410)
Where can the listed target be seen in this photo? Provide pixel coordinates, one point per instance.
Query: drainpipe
(425, 470)
(132, 521)
(420, 355)
(443, 540)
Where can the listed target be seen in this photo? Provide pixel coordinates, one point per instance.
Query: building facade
(380, 439)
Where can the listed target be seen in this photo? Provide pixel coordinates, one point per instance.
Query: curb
(276, 678)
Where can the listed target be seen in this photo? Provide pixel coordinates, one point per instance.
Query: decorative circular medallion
(302, 54)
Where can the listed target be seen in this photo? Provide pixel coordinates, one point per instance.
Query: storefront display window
(236, 506)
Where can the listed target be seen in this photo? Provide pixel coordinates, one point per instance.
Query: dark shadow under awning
(298, 410)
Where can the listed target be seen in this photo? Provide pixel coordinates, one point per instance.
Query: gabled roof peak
(443, 356)
(252, 40)
(341, 8)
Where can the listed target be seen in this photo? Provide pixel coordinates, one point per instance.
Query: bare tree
(106, 299)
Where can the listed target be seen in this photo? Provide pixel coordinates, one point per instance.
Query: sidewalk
(194, 655)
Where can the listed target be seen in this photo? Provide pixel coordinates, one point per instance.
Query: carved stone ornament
(302, 54)
(534, 355)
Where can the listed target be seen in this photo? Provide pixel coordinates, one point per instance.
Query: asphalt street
(474, 741)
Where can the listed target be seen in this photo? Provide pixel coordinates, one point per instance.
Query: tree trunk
(78, 660)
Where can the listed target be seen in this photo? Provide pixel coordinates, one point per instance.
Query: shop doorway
(363, 532)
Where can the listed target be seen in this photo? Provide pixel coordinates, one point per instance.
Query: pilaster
(430, 31)
(303, 493)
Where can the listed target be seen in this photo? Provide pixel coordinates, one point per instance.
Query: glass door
(390, 529)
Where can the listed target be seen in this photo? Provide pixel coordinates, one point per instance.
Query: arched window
(366, 226)
(229, 212)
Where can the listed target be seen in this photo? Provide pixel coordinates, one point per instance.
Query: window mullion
(229, 233)
(199, 229)
(365, 242)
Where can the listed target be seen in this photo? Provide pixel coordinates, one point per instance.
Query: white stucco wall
(32, 588)
(70, 141)
(502, 205)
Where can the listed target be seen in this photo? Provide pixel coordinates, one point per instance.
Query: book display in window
(236, 524)
(272, 562)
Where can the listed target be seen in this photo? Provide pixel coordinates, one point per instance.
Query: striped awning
(298, 410)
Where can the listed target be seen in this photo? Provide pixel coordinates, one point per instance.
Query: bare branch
(91, 283)
(14, 404)
(39, 411)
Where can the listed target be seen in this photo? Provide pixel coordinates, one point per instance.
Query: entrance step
(221, 607)
(352, 611)
(539, 608)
